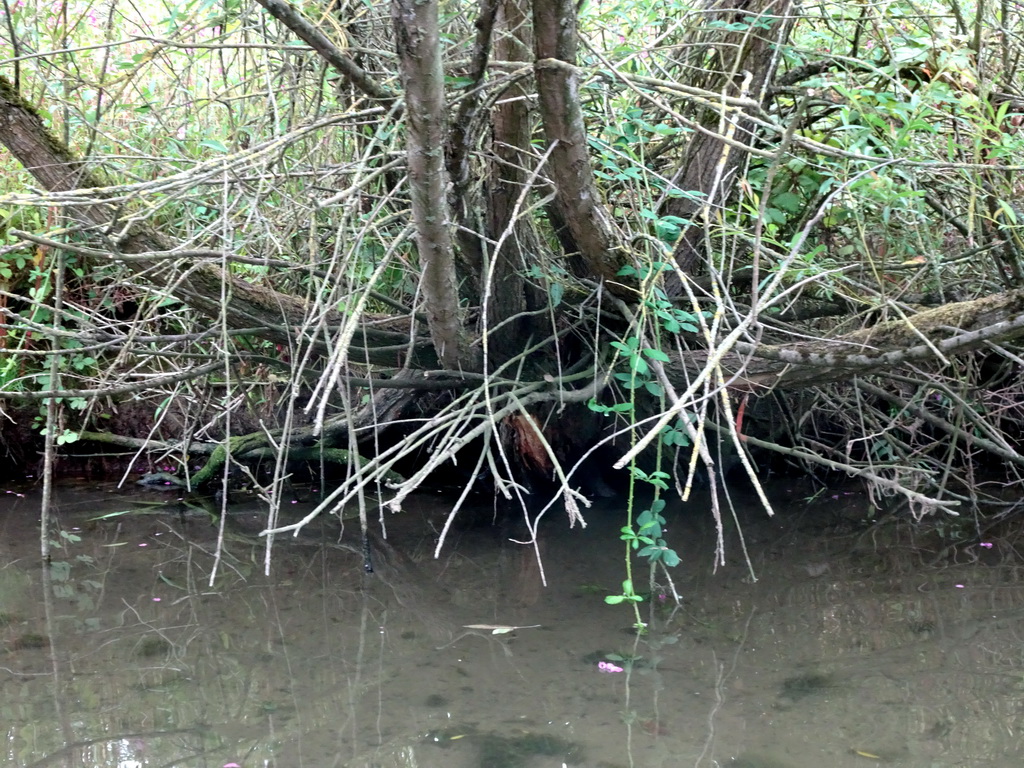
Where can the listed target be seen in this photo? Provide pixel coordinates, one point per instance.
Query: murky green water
(894, 654)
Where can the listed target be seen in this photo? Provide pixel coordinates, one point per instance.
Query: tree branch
(950, 329)
(319, 42)
(199, 285)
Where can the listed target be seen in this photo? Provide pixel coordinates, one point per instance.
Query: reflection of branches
(721, 676)
(57, 680)
(70, 748)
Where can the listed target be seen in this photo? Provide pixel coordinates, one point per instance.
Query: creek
(840, 644)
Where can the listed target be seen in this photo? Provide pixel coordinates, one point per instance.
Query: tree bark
(465, 136)
(556, 41)
(419, 53)
(517, 246)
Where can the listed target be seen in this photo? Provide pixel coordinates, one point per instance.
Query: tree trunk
(736, 63)
(518, 250)
(419, 56)
(556, 41)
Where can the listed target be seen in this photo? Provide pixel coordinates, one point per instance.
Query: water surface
(849, 646)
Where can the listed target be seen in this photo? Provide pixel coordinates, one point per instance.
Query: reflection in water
(882, 657)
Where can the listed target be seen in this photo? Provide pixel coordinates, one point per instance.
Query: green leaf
(628, 381)
(654, 388)
(627, 271)
(1008, 212)
(67, 437)
(656, 354)
(650, 529)
(214, 145)
(788, 201)
(60, 570)
(556, 292)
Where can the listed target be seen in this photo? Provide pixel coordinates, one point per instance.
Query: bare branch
(319, 42)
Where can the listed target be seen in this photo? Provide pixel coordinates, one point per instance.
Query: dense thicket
(528, 237)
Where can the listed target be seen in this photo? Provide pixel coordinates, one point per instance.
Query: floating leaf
(499, 629)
